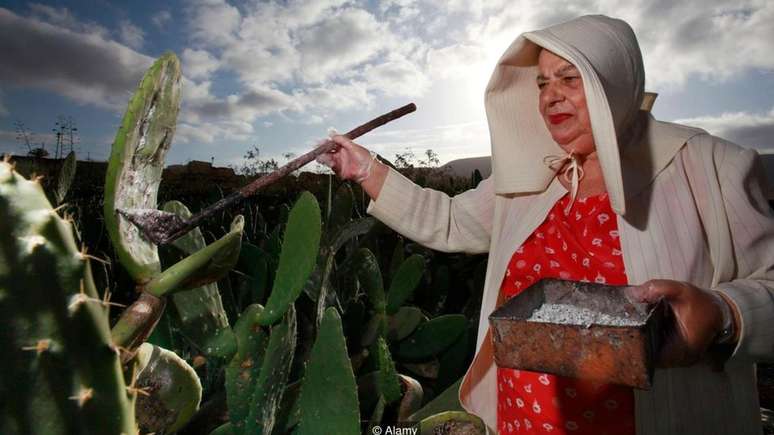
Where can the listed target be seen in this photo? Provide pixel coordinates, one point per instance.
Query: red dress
(582, 246)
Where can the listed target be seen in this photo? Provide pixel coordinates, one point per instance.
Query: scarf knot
(572, 174)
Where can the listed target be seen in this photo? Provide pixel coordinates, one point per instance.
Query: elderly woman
(586, 186)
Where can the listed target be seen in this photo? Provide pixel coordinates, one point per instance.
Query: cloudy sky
(279, 74)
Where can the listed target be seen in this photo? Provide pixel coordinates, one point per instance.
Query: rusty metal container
(619, 345)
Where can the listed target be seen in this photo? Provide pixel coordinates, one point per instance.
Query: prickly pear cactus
(64, 179)
(200, 312)
(297, 259)
(171, 390)
(244, 369)
(204, 266)
(452, 423)
(389, 383)
(256, 376)
(60, 369)
(275, 369)
(137, 161)
(404, 282)
(431, 338)
(328, 401)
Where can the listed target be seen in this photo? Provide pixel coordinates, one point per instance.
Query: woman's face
(563, 104)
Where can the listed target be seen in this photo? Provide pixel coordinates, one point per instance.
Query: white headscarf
(606, 53)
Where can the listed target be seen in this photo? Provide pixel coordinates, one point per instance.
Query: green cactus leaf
(56, 338)
(65, 178)
(199, 311)
(350, 230)
(329, 402)
(448, 400)
(404, 322)
(431, 338)
(389, 384)
(273, 377)
(404, 282)
(137, 161)
(254, 262)
(288, 413)
(163, 335)
(174, 390)
(374, 329)
(452, 422)
(300, 247)
(341, 210)
(454, 360)
(397, 258)
(368, 390)
(427, 369)
(243, 370)
(376, 416)
(224, 429)
(370, 278)
(203, 267)
(412, 397)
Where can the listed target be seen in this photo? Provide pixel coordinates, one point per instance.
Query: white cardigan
(702, 219)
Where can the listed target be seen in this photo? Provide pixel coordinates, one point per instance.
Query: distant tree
(252, 163)
(23, 135)
(405, 160)
(431, 159)
(268, 166)
(39, 152)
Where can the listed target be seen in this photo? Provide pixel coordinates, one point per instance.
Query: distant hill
(464, 167)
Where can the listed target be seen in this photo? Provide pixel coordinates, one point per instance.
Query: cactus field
(291, 313)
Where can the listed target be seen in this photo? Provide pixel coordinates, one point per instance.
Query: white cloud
(207, 118)
(455, 61)
(327, 56)
(754, 130)
(161, 18)
(3, 109)
(712, 39)
(397, 77)
(346, 39)
(198, 64)
(214, 22)
(81, 65)
(400, 10)
(220, 132)
(130, 34)
(334, 97)
(62, 17)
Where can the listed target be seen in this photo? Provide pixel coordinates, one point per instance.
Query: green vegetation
(279, 316)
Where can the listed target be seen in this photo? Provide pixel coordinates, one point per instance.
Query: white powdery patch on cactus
(29, 243)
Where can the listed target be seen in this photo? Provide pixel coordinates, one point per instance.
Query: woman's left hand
(697, 319)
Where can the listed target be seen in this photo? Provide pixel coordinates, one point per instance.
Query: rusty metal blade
(154, 224)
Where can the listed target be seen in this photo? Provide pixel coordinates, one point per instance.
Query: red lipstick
(558, 118)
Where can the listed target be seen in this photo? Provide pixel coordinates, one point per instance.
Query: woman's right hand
(349, 161)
